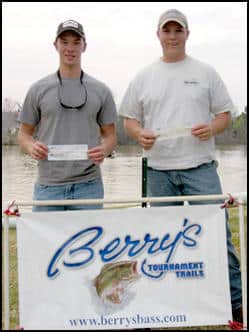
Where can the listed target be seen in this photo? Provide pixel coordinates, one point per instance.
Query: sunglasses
(77, 107)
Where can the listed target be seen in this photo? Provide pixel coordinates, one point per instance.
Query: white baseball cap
(173, 15)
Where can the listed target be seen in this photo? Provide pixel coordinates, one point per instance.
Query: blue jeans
(202, 180)
(86, 190)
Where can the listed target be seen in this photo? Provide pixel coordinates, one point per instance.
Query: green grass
(13, 290)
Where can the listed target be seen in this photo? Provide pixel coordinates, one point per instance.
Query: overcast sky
(121, 38)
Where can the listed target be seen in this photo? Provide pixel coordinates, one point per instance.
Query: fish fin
(109, 265)
(106, 267)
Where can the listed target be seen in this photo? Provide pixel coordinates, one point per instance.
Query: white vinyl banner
(123, 268)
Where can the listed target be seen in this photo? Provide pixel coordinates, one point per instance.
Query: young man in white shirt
(173, 108)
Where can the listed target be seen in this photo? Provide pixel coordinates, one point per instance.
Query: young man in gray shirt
(65, 109)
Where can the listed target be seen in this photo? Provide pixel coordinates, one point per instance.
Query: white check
(68, 152)
(173, 132)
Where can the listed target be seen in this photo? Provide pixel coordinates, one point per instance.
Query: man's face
(173, 37)
(70, 47)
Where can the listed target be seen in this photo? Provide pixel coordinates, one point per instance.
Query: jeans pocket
(90, 189)
(44, 192)
(41, 187)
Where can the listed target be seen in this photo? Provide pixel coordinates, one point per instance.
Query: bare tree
(11, 105)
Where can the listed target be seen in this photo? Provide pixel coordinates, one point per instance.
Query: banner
(123, 268)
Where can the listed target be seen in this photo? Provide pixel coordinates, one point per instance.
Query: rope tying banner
(235, 325)
(231, 202)
(12, 210)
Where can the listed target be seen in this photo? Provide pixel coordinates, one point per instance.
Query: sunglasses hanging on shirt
(74, 97)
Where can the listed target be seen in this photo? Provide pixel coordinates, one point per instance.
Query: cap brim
(70, 29)
(173, 20)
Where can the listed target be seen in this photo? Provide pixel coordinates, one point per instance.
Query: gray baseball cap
(173, 15)
(70, 25)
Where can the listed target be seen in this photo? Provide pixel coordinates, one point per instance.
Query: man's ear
(55, 45)
(84, 46)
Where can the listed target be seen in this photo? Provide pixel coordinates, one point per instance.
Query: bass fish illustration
(113, 280)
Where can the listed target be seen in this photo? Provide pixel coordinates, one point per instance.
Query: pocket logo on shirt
(191, 82)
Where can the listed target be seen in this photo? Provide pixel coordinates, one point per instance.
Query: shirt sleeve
(30, 113)
(220, 99)
(130, 106)
(108, 112)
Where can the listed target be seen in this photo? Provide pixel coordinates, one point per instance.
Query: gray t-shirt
(57, 125)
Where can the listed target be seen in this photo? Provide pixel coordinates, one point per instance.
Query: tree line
(237, 128)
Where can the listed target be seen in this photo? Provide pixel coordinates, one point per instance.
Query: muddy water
(121, 175)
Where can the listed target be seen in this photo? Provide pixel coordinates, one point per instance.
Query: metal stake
(6, 272)
(144, 180)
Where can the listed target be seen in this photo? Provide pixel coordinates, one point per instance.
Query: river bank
(234, 134)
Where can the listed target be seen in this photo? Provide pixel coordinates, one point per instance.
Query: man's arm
(35, 149)
(216, 126)
(145, 138)
(109, 141)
